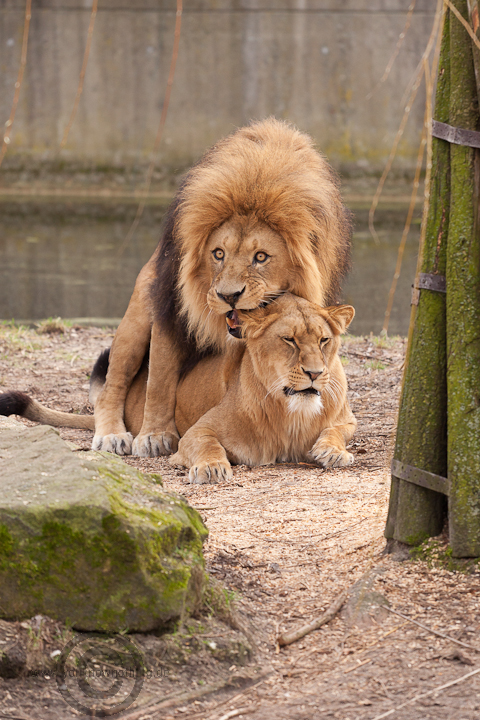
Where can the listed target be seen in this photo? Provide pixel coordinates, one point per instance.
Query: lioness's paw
(214, 472)
(329, 456)
(164, 443)
(120, 444)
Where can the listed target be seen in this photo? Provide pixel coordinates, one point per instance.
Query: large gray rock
(89, 540)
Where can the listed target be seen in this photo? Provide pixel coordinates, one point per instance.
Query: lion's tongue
(232, 319)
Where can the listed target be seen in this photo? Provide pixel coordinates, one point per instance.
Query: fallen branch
(430, 692)
(434, 632)
(238, 711)
(174, 699)
(291, 637)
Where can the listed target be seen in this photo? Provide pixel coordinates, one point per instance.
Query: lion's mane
(267, 172)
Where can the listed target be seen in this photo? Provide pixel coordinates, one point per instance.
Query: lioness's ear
(255, 327)
(340, 317)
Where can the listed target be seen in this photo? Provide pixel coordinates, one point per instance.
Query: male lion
(279, 396)
(260, 214)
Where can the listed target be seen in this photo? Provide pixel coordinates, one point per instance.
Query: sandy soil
(287, 539)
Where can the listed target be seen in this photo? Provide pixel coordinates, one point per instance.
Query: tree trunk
(474, 15)
(416, 513)
(463, 304)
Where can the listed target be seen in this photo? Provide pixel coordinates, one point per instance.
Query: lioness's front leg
(158, 435)
(126, 355)
(201, 451)
(330, 448)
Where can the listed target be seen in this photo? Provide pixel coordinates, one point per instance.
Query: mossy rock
(90, 541)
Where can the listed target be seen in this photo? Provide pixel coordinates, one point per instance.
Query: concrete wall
(310, 61)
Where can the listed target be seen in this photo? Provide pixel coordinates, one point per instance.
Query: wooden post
(415, 512)
(463, 304)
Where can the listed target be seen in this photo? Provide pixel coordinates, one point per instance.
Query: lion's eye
(290, 341)
(260, 257)
(218, 254)
(324, 341)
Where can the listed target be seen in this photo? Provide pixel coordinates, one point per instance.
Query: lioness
(279, 396)
(260, 214)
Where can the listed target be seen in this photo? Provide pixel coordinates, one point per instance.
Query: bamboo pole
(463, 304)
(416, 513)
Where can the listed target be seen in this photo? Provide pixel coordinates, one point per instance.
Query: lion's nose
(312, 374)
(232, 298)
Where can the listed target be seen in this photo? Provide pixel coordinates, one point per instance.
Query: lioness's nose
(232, 298)
(312, 374)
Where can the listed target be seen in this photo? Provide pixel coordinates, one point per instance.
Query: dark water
(65, 260)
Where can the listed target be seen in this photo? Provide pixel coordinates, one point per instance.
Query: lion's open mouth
(308, 391)
(234, 324)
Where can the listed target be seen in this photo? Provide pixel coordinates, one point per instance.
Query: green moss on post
(416, 513)
(463, 305)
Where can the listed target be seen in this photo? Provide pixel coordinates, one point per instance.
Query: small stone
(13, 660)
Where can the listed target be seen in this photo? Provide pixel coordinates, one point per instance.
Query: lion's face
(260, 214)
(247, 264)
(293, 345)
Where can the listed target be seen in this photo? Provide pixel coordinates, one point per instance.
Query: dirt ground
(287, 539)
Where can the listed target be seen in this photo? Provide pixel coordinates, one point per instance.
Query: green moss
(438, 554)
(122, 554)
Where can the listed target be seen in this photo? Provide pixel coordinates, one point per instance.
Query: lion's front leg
(330, 448)
(158, 434)
(126, 355)
(201, 451)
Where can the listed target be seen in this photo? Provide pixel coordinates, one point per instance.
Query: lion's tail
(17, 403)
(99, 373)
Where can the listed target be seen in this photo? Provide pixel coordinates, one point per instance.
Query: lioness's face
(248, 264)
(293, 347)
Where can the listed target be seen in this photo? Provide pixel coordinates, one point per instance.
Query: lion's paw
(214, 472)
(164, 443)
(119, 443)
(329, 456)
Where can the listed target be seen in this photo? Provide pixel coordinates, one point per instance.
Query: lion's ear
(255, 327)
(340, 317)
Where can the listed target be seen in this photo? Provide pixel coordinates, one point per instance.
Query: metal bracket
(428, 281)
(457, 136)
(420, 477)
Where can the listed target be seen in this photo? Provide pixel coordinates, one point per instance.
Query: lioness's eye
(290, 341)
(260, 257)
(324, 341)
(218, 254)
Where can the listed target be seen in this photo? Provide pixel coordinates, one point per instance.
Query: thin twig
(434, 632)
(365, 662)
(91, 25)
(464, 22)
(399, 44)
(18, 84)
(161, 125)
(238, 711)
(430, 692)
(173, 699)
(418, 75)
(408, 222)
(291, 637)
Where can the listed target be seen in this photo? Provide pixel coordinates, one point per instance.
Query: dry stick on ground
(177, 698)
(291, 637)
(423, 695)
(238, 711)
(434, 632)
